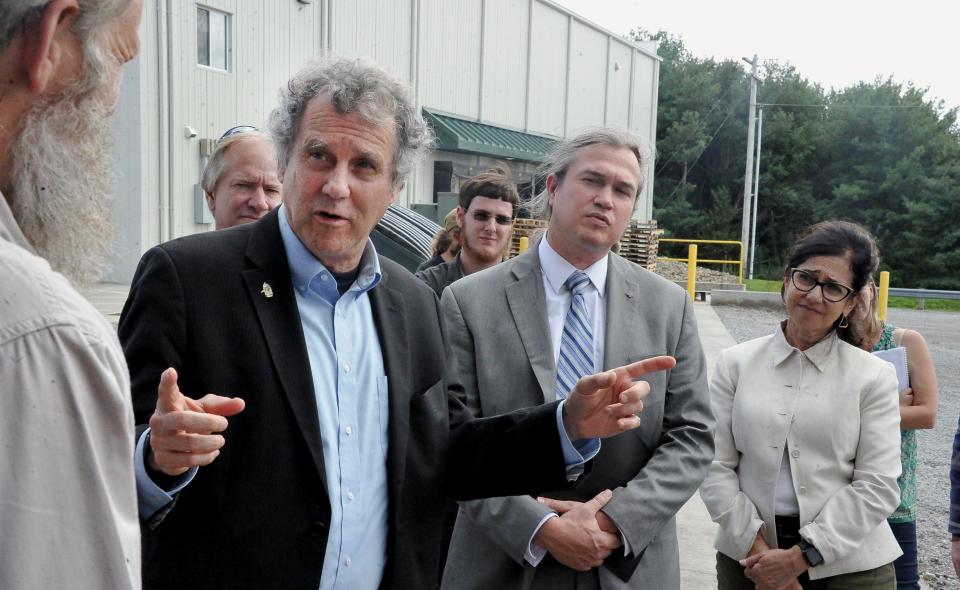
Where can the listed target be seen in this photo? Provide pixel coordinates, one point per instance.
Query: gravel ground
(942, 332)
(677, 271)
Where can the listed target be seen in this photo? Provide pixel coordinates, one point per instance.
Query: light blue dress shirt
(352, 402)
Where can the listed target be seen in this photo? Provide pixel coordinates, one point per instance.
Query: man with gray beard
(68, 511)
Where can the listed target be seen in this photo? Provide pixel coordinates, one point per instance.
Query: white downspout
(163, 179)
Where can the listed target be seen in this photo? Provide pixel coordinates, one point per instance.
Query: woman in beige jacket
(807, 439)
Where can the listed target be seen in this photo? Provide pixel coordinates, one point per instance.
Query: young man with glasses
(488, 203)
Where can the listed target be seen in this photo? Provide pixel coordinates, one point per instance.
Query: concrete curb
(746, 299)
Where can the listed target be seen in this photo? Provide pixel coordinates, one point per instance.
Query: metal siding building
(525, 66)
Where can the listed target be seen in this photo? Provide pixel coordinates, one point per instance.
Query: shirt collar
(305, 267)
(9, 230)
(818, 354)
(557, 269)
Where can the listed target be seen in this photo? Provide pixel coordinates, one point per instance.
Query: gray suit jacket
(498, 335)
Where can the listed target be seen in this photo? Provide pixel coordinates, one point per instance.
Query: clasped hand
(775, 569)
(184, 432)
(583, 536)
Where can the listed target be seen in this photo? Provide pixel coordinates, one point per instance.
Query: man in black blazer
(231, 312)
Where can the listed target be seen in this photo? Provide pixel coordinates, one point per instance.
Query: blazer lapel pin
(267, 290)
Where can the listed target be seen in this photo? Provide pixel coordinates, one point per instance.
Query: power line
(702, 124)
(669, 198)
(841, 106)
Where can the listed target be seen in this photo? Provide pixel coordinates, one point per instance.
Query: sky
(834, 43)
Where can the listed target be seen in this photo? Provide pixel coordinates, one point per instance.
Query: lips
(329, 217)
(810, 309)
(600, 218)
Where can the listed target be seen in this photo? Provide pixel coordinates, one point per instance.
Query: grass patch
(933, 304)
(763, 285)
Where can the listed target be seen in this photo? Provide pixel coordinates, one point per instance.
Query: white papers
(898, 358)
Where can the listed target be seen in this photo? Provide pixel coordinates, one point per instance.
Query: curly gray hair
(89, 27)
(566, 151)
(353, 85)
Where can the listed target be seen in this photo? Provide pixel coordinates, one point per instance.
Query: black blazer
(257, 517)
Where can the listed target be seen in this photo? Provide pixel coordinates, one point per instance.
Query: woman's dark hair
(838, 238)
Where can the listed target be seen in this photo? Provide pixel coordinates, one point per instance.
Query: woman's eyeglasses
(806, 282)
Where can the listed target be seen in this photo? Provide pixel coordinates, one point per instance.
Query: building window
(213, 39)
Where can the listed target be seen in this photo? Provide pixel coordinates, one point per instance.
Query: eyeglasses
(236, 130)
(484, 216)
(806, 282)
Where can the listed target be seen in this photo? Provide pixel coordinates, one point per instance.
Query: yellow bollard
(692, 272)
(524, 244)
(882, 297)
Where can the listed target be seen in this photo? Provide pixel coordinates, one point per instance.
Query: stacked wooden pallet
(528, 228)
(638, 244)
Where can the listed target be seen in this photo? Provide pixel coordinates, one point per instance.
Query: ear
(552, 184)
(851, 303)
(211, 202)
(49, 45)
(460, 214)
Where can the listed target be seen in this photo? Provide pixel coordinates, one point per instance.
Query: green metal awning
(460, 135)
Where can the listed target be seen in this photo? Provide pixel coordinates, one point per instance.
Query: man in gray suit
(567, 307)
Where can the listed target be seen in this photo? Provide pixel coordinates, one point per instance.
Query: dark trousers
(908, 578)
(730, 574)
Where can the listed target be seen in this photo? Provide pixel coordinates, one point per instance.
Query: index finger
(650, 365)
(169, 398)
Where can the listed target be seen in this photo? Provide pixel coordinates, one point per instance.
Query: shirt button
(795, 454)
(350, 496)
(324, 276)
(802, 490)
(348, 430)
(348, 561)
(346, 367)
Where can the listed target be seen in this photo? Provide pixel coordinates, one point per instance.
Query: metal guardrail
(885, 291)
(924, 293)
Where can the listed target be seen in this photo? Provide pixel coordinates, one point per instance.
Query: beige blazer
(835, 407)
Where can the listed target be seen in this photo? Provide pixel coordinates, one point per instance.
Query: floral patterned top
(907, 510)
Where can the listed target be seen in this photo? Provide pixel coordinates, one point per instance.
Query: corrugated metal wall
(520, 64)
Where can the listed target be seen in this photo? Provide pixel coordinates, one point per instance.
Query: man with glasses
(488, 204)
(240, 179)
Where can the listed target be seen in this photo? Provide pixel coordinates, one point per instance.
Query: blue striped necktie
(576, 343)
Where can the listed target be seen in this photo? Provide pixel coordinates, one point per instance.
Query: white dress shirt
(555, 270)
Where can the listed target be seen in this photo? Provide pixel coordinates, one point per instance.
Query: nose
(815, 294)
(336, 185)
(604, 197)
(259, 201)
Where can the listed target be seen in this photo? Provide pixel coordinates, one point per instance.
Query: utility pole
(756, 192)
(748, 174)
